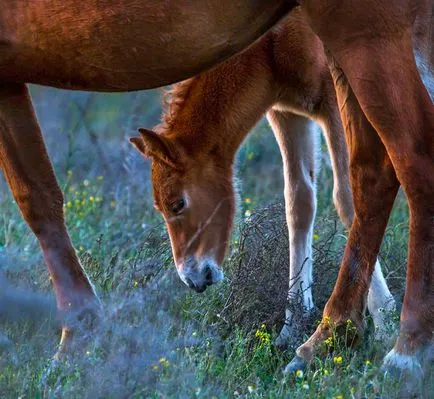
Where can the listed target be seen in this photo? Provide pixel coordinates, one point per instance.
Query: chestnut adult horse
(207, 117)
(98, 45)
(124, 45)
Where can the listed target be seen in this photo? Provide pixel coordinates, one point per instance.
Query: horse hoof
(48, 375)
(297, 363)
(405, 369)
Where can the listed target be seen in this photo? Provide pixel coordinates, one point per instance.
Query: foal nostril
(208, 275)
(196, 287)
(190, 283)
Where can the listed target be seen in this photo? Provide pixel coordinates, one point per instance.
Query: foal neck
(215, 111)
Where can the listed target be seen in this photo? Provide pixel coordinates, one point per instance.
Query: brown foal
(193, 150)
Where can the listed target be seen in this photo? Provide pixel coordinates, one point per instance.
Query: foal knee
(302, 207)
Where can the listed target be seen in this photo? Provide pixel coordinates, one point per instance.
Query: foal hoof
(282, 342)
(295, 323)
(297, 363)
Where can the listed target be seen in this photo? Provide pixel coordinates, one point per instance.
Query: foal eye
(178, 206)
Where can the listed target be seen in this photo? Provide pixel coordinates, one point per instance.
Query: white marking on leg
(404, 363)
(381, 304)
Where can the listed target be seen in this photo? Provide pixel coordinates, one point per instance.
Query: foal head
(193, 191)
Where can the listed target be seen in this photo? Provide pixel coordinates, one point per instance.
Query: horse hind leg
(28, 171)
(296, 141)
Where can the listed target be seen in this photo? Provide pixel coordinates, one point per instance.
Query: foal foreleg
(25, 163)
(297, 147)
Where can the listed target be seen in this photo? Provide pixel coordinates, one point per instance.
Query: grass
(157, 339)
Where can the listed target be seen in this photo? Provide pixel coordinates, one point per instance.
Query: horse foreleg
(25, 163)
(382, 72)
(406, 127)
(380, 300)
(374, 185)
(296, 141)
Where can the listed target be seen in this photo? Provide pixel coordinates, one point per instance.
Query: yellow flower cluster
(262, 335)
(164, 362)
(84, 197)
(329, 342)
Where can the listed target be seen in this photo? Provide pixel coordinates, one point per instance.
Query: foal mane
(173, 100)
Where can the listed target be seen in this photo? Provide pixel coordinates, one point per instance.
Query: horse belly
(126, 45)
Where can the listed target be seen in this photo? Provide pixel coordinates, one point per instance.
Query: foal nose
(208, 275)
(199, 276)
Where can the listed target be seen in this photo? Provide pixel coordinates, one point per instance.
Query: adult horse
(104, 46)
(375, 76)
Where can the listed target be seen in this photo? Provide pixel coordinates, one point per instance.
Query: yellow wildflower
(248, 201)
(263, 336)
(164, 362)
(337, 360)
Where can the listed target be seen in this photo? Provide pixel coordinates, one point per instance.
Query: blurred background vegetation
(158, 339)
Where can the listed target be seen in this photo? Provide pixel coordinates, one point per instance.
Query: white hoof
(405, 368)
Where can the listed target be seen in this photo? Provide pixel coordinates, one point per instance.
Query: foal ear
(155, 146)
